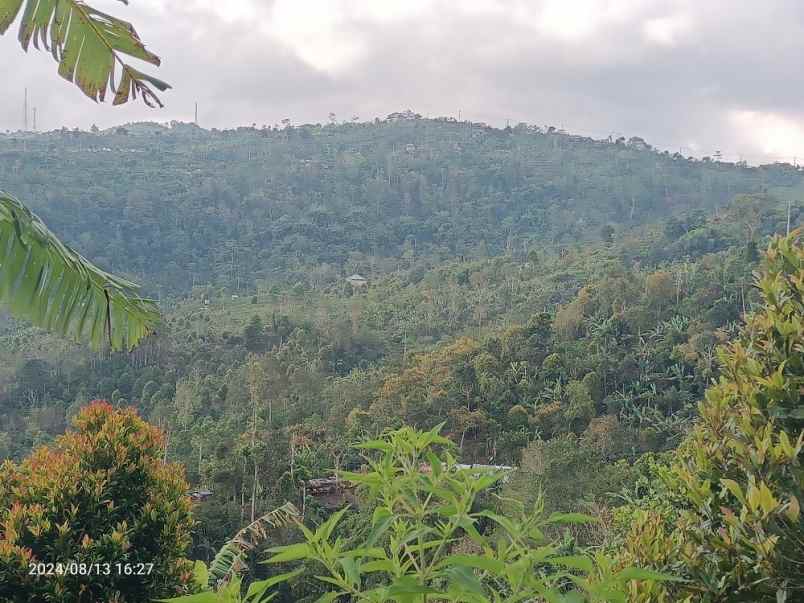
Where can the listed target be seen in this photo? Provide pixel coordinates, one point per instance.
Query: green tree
(580, 407)
(101, 495)
(254, 335)
(659, 288)
(738, 535)
(427, 541)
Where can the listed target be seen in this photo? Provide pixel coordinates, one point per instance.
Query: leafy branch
(45, 281)
(229, 559)
(88, 45)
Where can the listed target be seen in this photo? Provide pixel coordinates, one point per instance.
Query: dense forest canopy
(556, 303)
(181, 205)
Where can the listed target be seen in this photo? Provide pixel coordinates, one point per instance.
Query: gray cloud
(698, 75)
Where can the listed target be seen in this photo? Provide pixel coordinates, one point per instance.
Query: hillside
(555, 302)
(181, 206)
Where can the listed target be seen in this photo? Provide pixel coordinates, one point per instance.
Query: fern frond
(46, 282)
(88, 45)
(229, 559)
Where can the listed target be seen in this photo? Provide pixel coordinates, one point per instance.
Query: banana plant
(42, 279)
(222, 582)
(231, 591)
(51, 285)
(89, 46)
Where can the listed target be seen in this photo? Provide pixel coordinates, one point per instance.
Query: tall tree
(738, 532)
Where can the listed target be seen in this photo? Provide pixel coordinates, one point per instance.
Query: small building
(406, 115)
(331, 492)
(357, 281)
(477, 470)
(200, 495)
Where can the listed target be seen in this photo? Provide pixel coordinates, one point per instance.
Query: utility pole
(196, 113)
(34, 119)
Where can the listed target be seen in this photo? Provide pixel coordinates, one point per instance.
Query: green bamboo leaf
(463, 580)
(351, 570)
(292, 552)
(257, 589)
(474, 561)
(734, 488)
(381, 565)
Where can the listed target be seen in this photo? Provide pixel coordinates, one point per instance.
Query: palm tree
(42, 279)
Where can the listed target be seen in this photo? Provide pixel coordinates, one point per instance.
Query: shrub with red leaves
(96, 517)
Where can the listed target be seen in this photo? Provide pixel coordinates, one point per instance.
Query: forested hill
(553, 302)
(174, 206)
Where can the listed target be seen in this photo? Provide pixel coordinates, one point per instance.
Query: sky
(686, 75)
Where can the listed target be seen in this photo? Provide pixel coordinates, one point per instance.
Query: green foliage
(221, 582)
(230, 591)
(738, 533)
(100, 495)
(429, 540)
(541, 347)
(87, 44)
(229, 559)
(46, 282)
(311, 204)
(254, 335)
(567, 471)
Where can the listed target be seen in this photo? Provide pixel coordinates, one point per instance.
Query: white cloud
(666, 31)
(331, 35)
(579, 19)
(680, 73)
(775, 136)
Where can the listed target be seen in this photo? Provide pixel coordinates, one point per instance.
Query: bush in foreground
(100, 498)
(430, 540)
(736, 530)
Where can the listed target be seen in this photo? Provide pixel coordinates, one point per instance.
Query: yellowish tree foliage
(739, 535)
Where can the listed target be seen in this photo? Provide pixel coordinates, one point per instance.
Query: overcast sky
(695, 75)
